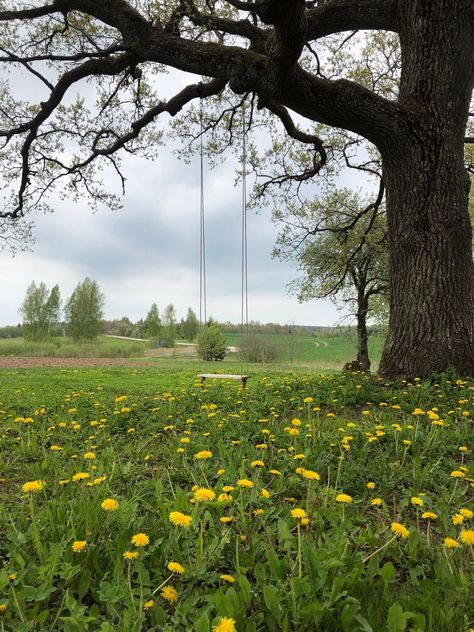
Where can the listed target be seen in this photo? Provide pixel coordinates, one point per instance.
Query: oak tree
(265, 51)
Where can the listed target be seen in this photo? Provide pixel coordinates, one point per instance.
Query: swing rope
(244, 315)
(202, 244)
(244, 312)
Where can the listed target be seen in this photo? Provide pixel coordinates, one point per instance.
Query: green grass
(135, 433)
(63, 347)
(319, 352)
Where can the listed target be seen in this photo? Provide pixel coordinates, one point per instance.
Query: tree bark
(362, 335)
(430, 236)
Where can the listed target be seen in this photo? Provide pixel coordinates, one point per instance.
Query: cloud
(149, 251)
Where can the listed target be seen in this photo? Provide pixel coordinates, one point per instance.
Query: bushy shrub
(211, 342)
(259, 349)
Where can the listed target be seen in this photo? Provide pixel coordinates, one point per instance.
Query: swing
(202, 257)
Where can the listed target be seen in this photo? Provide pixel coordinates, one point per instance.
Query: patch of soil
(8, 362)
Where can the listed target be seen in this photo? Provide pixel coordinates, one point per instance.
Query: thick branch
(336, 16)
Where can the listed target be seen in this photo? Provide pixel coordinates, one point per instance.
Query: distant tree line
(81, 318)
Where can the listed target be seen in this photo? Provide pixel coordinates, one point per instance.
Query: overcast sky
(149, 251)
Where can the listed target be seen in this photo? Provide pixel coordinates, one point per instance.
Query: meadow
(322, 352)
(64, 347)
(139, 499)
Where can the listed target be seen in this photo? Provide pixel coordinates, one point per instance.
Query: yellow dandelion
(89, 455)
(371, 485)
(175, 567)
(467, 536)
(226, 624)
(399, 530)
(180, 519)
(140, 539)
(257, 463)
(223, 498)
(244, 482)
(375, 502)
(3, 607)
(203, 454)
(78, 546)
(203, 495)
(298, 513)
(417, 501)
(227, 578)
(467, 513)
(429, 515)
(226, 519)
(458, 518)
(451, 543)
(311, 475)
(148, 604)
(80, 476)
(109, 504)
(32, 486)
(130, 555)
(457, 474)
(169, 594)
(343, 498)
(265, 493)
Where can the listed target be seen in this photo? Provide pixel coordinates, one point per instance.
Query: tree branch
(336, 16)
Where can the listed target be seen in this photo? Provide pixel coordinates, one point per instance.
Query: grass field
(63, 347)
(323, 353)
(137, 499)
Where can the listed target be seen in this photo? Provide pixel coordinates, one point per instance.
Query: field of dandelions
(302, 503)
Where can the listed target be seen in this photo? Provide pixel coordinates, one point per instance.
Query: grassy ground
(63, 347)
(325, 353)
(306, 502)
(320, 352)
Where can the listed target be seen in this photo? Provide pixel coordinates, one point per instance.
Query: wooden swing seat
(223, 376)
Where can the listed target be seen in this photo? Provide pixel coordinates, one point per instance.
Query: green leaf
(202, 624)
(271, 598)
(396, 620)
(388, 573)
(245, 588)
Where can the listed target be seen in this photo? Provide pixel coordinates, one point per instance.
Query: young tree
(339, 246)
(84, 311)
(53, 307)
(40, 310)
(267, 51)
(153, 323)
(190, 326)
(169, 325)
(211, 342)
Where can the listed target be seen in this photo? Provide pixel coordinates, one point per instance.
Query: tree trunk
(362, 335)
(431, 324)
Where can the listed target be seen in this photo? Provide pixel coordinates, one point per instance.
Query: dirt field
(9, 362)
